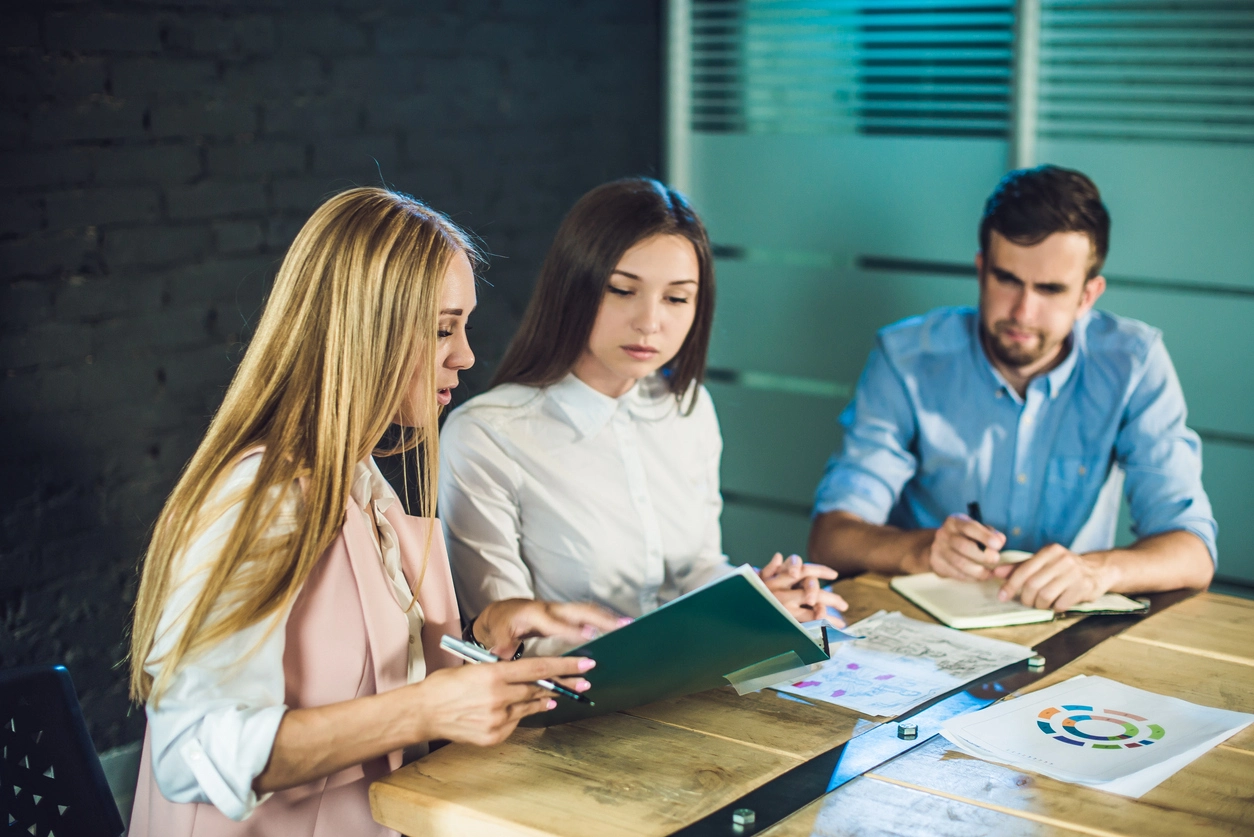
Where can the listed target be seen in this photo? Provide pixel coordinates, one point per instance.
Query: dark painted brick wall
(155, 160)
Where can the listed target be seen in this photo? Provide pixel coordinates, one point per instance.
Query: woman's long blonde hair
(352, 315)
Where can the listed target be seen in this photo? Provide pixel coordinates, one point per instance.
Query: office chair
(51, 783)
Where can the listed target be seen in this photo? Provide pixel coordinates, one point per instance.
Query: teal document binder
(728, 630)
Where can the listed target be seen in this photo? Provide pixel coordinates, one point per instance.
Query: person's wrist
(919, 559)
(482, 631)
(1105, 570)
(414, 713)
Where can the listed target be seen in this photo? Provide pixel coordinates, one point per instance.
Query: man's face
(1031, 296)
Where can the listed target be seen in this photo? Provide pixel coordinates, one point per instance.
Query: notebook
(729, 631)
(973, 604)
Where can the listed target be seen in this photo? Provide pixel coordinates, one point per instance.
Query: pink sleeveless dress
(346, 638)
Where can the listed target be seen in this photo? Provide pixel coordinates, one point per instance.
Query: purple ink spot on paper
(853, 666)
(885, 676)
(838, 693)
(805, 684)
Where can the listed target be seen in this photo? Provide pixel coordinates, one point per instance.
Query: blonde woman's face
(452, 353)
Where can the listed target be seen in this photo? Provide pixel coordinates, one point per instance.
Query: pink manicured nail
(586, 663)
(552, 704)
(624, 621)
(582, 685)
(588, 632)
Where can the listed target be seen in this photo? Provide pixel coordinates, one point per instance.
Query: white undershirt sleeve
(212, 730)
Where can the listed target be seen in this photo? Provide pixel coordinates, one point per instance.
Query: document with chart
(1096, 732)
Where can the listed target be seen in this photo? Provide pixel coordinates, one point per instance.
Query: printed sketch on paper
(900, 664)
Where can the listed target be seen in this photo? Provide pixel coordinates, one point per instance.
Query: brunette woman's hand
(482, 704)
(799, 587)
(503, 625)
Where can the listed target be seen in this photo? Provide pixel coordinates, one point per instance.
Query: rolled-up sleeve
(1163, 457)
(213, 727)
(867, 476)
(210, 747)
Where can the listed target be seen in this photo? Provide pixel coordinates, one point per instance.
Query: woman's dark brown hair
(602, 226)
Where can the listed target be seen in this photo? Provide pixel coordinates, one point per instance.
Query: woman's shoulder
(501, 403)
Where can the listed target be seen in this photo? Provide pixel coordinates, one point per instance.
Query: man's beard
(1016, 354)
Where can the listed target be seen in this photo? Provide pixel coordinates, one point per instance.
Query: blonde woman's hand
(503, 625)
(482, 704)
(799, 587)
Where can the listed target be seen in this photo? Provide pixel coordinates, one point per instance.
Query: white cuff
(225, 772)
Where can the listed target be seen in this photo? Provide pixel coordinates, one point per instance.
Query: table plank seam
(439, 807)
(764, 748)
(1237, 749)
(991, 806)
(1200, 652)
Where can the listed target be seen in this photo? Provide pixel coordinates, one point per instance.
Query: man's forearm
(848, 544)
(1169, 561)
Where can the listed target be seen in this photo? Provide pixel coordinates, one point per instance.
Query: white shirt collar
(588, 411)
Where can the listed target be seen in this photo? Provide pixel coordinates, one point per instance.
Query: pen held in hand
(973, 512)
(474, 654)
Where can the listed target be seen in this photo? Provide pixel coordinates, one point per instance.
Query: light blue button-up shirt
(934, 426)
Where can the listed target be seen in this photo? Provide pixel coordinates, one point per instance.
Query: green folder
(727, 631)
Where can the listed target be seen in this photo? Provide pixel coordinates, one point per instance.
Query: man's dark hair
(1029, 205)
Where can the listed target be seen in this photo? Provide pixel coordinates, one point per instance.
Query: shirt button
(1015, 531)
(1022, 478)
(998, 394)
(411, 639)
(1083, 470)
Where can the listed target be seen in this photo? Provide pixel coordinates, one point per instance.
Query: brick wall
(155, 160)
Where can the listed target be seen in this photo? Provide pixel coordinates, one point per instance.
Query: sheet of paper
(900, 663)
(1097, 732)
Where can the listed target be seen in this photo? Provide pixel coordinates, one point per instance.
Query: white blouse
(213, 729)
(566, 494)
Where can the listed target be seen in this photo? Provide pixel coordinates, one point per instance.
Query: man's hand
(1055, 578)
(503, 625)
(955, 549)
(799, 587)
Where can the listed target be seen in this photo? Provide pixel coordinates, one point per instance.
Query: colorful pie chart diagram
(1105, 729)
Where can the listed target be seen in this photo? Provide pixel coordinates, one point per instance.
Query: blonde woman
(286, 636)
(591, 470)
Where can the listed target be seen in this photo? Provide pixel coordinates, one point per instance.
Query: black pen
(973, 512)
(475, 654)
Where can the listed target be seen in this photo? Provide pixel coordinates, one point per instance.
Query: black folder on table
(730, 630)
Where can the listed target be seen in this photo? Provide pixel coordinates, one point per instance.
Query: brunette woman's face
(452, 352)
(645, 316)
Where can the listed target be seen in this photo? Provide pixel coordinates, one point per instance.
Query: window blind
(905, 67)
(1147, 70)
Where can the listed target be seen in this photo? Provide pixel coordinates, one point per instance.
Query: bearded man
(1038, 408)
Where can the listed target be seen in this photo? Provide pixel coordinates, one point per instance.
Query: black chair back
(51, 784)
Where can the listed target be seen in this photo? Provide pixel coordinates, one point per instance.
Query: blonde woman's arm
(472, 704)
(211, 731)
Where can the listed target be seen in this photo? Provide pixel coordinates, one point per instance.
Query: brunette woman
(591, 470)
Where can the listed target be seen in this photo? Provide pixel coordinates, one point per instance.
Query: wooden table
(655, 769)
